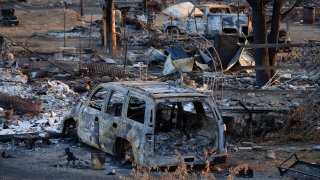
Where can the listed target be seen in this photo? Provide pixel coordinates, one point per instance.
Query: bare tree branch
(285, 14)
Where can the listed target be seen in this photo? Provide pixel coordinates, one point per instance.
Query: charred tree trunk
(259, 25)
(274, 33)
(110, 27)
(266, 57)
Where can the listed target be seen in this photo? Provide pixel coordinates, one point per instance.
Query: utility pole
(81, 7)
(110, 38)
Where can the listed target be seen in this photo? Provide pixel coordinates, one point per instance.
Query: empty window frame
(220, 10)
(115, 103)
(182, 115)
(136, 109)
(98, 98)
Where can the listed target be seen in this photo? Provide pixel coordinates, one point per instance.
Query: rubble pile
(298, 80)
(238, 80)
(284, 80)
(166, 143)
(305, 78)
(56, 100)
(11, 82)
(78, 31)
(75, 32)
(138, 39)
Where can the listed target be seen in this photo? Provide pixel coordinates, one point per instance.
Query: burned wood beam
(12, 137)
(20, 105)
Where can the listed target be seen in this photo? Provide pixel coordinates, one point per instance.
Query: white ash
(57, 100)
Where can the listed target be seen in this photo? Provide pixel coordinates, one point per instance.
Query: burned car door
(111, 118)
(88, 125)
(136, 127)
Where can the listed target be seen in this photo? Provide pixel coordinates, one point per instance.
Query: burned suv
(157, 123)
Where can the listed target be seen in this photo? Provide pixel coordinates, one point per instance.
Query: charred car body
(8, 18)
(157, 123)
(210, 20)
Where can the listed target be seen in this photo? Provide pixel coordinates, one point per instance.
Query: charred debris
(162, 43)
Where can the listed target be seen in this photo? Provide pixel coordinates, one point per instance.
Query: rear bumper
(174, 161)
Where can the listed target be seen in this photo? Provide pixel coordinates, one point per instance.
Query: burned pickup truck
(154, 122)
(206, 20)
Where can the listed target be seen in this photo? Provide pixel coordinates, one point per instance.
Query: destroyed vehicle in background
(8, 18)
(213, 19)
(154, 122)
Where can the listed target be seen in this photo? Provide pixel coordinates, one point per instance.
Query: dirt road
(48, 162)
